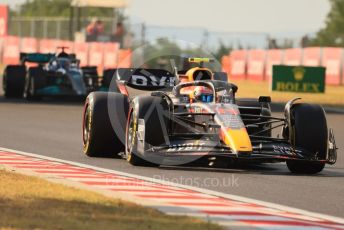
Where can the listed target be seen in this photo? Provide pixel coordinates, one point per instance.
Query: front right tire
(309, 131)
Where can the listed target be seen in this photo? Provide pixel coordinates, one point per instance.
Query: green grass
(31, 203)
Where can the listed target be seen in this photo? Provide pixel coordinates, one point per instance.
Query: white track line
(204, 191)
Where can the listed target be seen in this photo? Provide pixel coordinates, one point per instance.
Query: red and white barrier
(238, 64)
(273, 57)
(256, 65)
(29, 45)
(2, 41)
(248, 64)
(64, 43)
(102, 55)
(48, 46)
(81, 51)
(111, 55)
(124, 58)
(96, 54)
(11, 50)
(311, 56)
(332, 60)
(226, 65)
(292, 57)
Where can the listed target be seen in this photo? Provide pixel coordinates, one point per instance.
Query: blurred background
(217, 25)
(247, 37)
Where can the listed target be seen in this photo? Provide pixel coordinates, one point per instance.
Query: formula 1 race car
(53, 75)
(186, 122)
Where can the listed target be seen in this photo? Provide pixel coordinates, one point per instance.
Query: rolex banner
(298, 79)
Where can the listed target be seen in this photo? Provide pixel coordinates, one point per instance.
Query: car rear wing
(141, 79)
(39, 58)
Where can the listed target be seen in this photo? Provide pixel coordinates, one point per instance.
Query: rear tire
(309, 131)
(34, 82)
(14, 81)
(99, 137)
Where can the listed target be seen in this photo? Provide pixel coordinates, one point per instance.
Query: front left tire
(148, 112)
(104, 122)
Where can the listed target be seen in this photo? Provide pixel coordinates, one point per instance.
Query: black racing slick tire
(34, 81)
(148, 111)
(309, 131)
(14, 81)
(104, 120)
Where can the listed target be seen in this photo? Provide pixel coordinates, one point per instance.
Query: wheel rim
(32, 87)
(130, 136)
(28, 90)
(86, 124)
(26, 87)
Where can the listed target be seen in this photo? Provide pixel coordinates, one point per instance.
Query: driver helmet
(64, 63)
(203, 94)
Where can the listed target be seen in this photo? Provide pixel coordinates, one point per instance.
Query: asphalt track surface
(53, 128)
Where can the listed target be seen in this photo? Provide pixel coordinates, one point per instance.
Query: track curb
(228, 210)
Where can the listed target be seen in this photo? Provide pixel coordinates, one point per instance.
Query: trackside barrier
(273, 57)
(332, 59)
(48, 45)
(255, 65)
(96, 55)
(226, 65)
(11, 50)
(292, 56)
(311, 56)
(29, 45)
(111, 55)
(81, 51)
(2, 40)
(124, 58)
(247, 64)
(238, 62)
(65, 43)
(102, 55)
(68, 44)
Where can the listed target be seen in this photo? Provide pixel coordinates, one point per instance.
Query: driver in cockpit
(202, 94)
